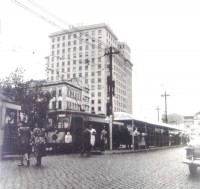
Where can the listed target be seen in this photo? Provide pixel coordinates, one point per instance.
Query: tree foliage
(32, 97)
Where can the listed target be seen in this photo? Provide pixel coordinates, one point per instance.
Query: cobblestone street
(156, 169)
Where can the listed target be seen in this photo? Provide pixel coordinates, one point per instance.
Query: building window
(69, 36)
(58, 39)
(99, 108)
(99, 59)
(74, 42)
(52, 47)
(74, 49)
(80, 48)
(99, 32)
(58, 45)
(69, 43)
(63, 37)
(63, 44)
(92, 102)
(59, 104)
(60, 92)
(99, 94)
(53, 40)
(99, 101)
(53, 105)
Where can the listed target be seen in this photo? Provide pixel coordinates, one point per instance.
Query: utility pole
(165, 95)
(158, 112)
(111, 91)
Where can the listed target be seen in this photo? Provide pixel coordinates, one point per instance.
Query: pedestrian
(39, 140)
(93, 135)
(136, 138)
(142, 142)
(86, 145)
(24, 134)
(104, 139)
(68, 141)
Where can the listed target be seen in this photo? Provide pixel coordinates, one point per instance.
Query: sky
(164, 37)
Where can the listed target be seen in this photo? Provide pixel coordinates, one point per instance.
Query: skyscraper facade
(79, 53)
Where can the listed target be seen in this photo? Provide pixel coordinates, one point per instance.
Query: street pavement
(158, 169)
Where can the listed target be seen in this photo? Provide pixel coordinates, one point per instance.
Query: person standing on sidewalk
(39, 139)
(104, 140)
(86, 145)
(24, 134)
(93, 136)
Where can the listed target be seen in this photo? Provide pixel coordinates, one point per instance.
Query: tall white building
(79, 53)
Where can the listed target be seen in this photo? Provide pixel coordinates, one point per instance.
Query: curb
(125, 151)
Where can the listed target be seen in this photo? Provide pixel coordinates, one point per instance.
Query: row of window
(80, 61)
(70, 93)
(87, 41)
(75, 35)
(75, 106)
(74, 55)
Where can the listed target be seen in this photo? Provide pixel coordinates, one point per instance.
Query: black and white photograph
(99, 94)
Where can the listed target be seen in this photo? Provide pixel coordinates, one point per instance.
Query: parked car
(193, 155)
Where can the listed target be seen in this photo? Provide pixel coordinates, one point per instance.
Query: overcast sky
(164, 37)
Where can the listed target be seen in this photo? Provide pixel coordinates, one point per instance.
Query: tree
(34, 100)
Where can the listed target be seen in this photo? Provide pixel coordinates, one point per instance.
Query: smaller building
(72, 94)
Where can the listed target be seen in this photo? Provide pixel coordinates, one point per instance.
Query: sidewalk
(128, 151)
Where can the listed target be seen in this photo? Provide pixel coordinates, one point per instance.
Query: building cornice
(83, 28)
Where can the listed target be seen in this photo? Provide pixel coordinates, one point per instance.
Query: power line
(52, 23)
(64, 22)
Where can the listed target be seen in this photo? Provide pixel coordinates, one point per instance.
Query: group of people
(29, 140)
(88, 140)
